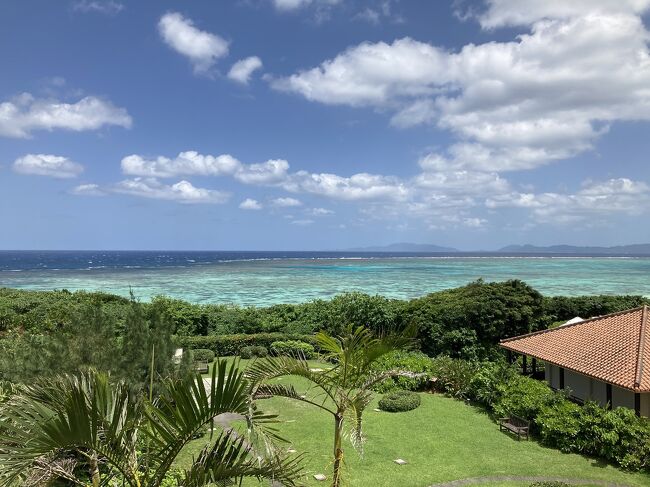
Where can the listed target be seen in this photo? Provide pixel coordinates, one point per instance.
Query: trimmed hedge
(293, 348)
(203, 355)
(399, 401)
(227, 345)
(253, 351)
(399, 360)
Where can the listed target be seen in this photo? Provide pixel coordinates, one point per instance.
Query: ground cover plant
(399, 401)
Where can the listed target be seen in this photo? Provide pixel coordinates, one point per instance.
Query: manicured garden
(442, 440)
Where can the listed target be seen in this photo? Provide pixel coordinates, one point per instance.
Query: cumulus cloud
(47, 165)
(89, 189)
(500, 13)
(181, 192)
(22, 115)
(250, 204)
(186, 163)
(271, 172)
(289, 5)
(243, 69)
(544, 96)
(286, 202)
(202, 48)
(594, 200)
(320, 211)
(302, 222)
(106, 7)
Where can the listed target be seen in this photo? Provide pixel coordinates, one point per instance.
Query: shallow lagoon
(271, 278)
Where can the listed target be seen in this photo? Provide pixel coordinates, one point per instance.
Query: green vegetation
(399, 401)
(87, 430)
(345, 388)
(46, 335)
(293, 348)
(442, 440)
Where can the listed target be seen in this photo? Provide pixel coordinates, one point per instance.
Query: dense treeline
(466, 322)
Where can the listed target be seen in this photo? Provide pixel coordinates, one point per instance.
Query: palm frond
(231, 459)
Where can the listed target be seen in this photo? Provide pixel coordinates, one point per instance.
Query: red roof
(614, 348)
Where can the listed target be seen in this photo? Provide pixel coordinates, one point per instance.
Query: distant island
(634, 249)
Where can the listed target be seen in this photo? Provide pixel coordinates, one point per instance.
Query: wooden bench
(201, 367)
(516, 425)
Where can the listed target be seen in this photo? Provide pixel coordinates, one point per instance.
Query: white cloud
(181, 192)
(271, 172)
(289, 5)
(47, 165)
(595, 200)
(186, 163)
(202, 48)
(24, 114)
(250, 204)
(90, 189)
(107, 7)
(500, 13)
(302, 222)
(362, 186)
(286, 202)
(320, 212)
(243, 69)
(545, 96)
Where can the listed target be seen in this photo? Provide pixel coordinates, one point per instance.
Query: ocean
(266, 278)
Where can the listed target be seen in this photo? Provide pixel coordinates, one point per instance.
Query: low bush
(485, 385)
(412, 362)
(453, 376)
(203, 355)
(398, 401)
(293, 348)
(228, 345)
(253, 351)
(524, 397)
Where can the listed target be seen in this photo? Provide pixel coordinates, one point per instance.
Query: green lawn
(442, 440)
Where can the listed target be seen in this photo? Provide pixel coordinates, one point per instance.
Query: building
(604, 359)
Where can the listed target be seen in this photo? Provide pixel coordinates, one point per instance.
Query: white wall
(622, 398)
(578, 384)
(645, 405)
(552, 376)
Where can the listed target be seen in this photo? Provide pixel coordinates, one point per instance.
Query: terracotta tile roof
(614, 348)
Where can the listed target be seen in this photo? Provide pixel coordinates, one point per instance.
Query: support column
(561, 377)
(608, 390)
(524, 364)
(637, 404)
(534, 367)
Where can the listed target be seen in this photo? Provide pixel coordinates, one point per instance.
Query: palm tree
(346, 388)
(57, 427)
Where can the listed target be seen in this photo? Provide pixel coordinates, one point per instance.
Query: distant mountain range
(636, 249)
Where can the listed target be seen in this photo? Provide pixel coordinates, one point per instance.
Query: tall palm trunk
(338, 451)
(94, 470)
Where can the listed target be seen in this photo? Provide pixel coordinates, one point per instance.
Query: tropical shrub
(485, 386)
(253, 351)
(453, 376)
(203, 355)
(404, 361)
(559, 425)
(293, 348)
(399, 401)
(524, 397)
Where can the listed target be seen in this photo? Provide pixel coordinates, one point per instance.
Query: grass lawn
(442, 440)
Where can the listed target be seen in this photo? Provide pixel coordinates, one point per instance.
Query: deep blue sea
(264, 278)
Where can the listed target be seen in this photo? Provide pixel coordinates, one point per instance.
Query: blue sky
(323, 124)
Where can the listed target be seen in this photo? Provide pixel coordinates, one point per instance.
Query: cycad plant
(85, 428)
(345, 389)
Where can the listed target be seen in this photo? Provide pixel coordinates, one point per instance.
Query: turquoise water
(294, 280)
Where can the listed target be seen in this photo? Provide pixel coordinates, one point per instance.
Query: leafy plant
(253, 351)
(76, 426)
(346, 388)
(203, 355)
(417, 367)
